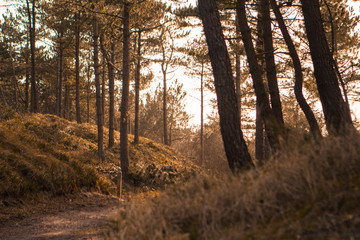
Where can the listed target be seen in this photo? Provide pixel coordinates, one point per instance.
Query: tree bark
(237, 68)
(314, 127)
(99, 112)
(60, 77)
(202, 115)
(259, 136)
(67, 102)
(88, 96)
(235, 147)
(165, 129)
(111, 95)
(137, 89)
(31, 17)
(260, 53)
(27, 90)
(272, 129)
(110, 65)
(77, 68)
(103, 91)
(124, 149)
(164, 68)
(337, 115)
(27, 82)
(270, 62)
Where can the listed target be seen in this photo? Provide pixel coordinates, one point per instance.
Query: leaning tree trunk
(99, 112)
(270, 62)
(273, 130)
(337, 115)
(124, 149)
(235, 147)
(314, 127)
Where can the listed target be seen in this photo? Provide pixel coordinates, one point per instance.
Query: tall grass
(308, 191)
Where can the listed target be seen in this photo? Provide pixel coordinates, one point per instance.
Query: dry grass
(309, 191)
(31, 161)
(46, 153)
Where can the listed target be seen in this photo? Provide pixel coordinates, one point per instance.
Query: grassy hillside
(45, 153)
(309, 191)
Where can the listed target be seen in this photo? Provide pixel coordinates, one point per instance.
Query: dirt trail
(80, 220)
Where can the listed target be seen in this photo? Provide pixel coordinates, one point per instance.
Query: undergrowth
(308, 191)
(45, 153)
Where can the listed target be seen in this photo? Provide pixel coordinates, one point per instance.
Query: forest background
(172, 52)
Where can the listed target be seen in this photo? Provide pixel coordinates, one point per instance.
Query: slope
(47, 154)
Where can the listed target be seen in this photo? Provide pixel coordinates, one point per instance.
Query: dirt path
(84, 218)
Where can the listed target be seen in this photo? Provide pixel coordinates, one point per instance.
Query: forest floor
(79, 216)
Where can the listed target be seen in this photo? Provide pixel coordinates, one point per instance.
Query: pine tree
(124, 149)
(234, 143)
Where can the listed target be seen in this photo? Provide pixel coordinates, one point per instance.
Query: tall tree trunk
(103, 91)
(259, 136)
(238, 68)
(164, 68)
(337, 114)
(77, 68)
(31, 17)
(111, 95)
(67, 102)
(202, 159)
(60, 77)
(170, 136)
(137, 89)
(27, 82)
(88, 96)
(165, 122)
(260, 52)
(270, 62)
(110, 65)
(124, 149)
(235, 147)
(273, 130)
(333, 51)
(314, 127)
(99, 112)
